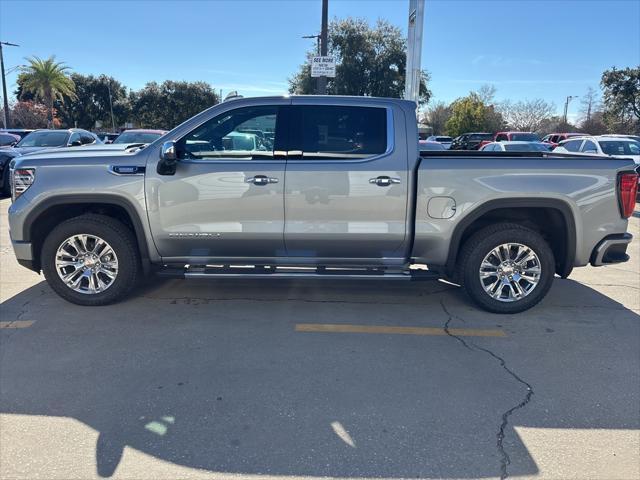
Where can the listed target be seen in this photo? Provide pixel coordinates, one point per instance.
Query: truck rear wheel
(506, 268)
(91, 260)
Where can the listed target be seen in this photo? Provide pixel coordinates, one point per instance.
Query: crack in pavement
(505, 460)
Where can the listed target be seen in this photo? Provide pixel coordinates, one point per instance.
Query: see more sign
(323, 67)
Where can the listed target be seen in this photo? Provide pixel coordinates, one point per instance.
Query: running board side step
(294, 273)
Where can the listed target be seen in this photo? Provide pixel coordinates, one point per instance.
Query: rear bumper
(612, 249)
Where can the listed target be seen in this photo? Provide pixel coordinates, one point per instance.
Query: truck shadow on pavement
(213, 375)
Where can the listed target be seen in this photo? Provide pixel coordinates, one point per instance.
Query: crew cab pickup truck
(315, 187)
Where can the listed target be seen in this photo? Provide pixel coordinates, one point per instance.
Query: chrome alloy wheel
(510, 272)
(86, 264)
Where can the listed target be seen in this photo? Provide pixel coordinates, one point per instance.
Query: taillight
(22, 179)
(627, 190)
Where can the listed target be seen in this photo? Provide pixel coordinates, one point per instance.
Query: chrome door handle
(384, 181)
(261, 180)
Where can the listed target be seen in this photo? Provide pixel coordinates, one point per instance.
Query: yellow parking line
(346, 328)
(17, 324)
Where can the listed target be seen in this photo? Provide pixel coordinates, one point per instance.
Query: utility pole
(322, 81)
(4, 84)
(413, 71)
(566, 107)
(113, 123)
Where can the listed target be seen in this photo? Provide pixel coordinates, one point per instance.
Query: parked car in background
(41, 140)
(513, 137)
(555, 138)
(617, 147)
(470, 141)
(631, 137)
(107, 137)
(516, 146)
(8, 139)
(139, 135)
(429, 146)
(516, 137)
(20, 132)
(441, 139)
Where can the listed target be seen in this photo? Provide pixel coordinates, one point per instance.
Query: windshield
(44, 139)
(430, 146)
(620, 147)
(481, 136)
(526, 147)
(443, 139)
(137, 137)
(525, 137)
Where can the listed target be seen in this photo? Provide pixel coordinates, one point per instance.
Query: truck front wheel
(91, 260)
(506, 268)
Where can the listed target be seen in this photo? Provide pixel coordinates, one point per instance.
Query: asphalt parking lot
(255, 379)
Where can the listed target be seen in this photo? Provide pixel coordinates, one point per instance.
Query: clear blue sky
(527, 49)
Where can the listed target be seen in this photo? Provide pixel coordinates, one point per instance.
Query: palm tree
(48, 81)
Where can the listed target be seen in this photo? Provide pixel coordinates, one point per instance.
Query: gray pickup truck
(315, 187)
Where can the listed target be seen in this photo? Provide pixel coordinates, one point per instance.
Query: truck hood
(73, 153)
(94, 155)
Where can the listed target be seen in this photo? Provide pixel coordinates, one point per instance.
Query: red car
(512, 137)
(555, 138)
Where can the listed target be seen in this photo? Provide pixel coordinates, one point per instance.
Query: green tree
(470, 114)
(369, 61)
(170, 103)
(92, 104)
(622, 99)
(48, 81)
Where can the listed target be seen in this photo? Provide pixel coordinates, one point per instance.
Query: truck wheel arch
(524, 207)
(77, 205)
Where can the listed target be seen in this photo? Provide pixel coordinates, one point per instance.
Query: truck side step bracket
(250, 271)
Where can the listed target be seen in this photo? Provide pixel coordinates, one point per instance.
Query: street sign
(323, 67)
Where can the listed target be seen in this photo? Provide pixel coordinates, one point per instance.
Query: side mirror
(75, 143)
(168, 159)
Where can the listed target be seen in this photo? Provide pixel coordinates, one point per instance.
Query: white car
(617, 147)
(515, 146)
(442, 140)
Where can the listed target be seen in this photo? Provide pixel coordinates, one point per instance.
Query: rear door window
(572, 145)
(323, 132)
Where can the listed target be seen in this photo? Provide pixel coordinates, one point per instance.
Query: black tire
(484, 241)
(117, 235)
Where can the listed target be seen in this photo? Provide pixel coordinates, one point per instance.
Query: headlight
(21, 180)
